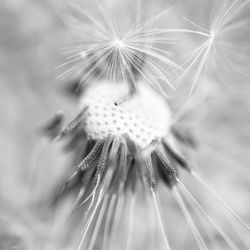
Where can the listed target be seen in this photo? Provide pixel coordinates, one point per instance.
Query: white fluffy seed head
(143, 117)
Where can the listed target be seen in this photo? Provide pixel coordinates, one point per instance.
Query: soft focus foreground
(32, 33)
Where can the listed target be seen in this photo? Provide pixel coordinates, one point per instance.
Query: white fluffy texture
(144, 117)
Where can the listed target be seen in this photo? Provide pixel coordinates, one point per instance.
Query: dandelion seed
(54, 128)
(227, 239)
(73, 124)
(220, 50)
(110, 48)
(195, 231)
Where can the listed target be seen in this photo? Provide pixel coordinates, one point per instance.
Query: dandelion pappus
(114, 53)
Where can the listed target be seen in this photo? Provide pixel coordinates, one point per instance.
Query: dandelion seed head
(144, 118)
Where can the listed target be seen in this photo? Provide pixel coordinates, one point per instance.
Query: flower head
(127, 150)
